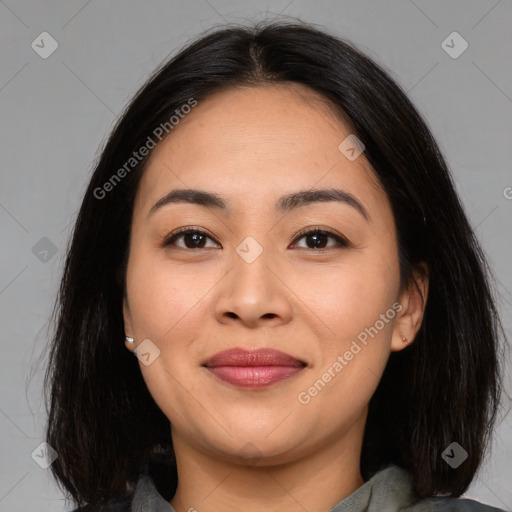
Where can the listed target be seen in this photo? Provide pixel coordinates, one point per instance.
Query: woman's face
(252, 278)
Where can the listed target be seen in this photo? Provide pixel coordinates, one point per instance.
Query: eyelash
(342, 242)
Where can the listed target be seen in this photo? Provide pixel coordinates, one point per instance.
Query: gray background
(56, 112)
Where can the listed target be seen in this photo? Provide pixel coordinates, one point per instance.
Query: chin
(271, 445)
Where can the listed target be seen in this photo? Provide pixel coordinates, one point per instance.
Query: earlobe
(413, 300)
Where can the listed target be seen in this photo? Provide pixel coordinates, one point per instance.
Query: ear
(128, 329)
(413, 300)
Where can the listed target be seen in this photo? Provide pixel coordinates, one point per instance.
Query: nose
(254, 294)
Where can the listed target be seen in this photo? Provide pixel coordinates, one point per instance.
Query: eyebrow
(285, 203)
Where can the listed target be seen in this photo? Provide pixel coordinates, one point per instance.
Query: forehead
(260, 117)
(254, 142)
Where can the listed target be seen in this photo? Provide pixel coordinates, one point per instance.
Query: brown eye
(317, 239)
(192, 239)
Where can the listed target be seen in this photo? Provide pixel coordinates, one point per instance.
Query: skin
(246, 449)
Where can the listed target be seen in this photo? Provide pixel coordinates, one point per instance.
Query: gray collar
(390, 489)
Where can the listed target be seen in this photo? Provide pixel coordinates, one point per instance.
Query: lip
(253, 368)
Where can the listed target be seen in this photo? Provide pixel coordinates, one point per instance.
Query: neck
(315, 482)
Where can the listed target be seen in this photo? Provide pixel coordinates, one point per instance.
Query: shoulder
(446, 504)
(393, 486)
(139, 491)
(112, 506)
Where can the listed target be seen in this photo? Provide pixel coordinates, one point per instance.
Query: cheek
(352, 295)
(165, 298)
(167, 304)
(360, 308)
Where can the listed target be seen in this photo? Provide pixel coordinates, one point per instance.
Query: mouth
(253, 368)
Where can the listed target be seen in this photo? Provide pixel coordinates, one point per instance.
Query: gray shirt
(389, 490)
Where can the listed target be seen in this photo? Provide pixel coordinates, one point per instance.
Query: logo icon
(44, 455)
(44, 45)
(249, 249)
(351, 147)
(249, 454)
(454, 455)
(454, 45)
(44, 250)
(147, 352)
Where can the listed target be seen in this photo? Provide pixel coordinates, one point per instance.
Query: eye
(316, 239)
(192, 238)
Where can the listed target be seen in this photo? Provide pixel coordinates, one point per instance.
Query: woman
(272, 231)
